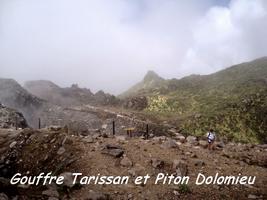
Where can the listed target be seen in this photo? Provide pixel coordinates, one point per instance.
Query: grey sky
(110, 44)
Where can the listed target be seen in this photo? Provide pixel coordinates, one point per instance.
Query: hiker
(211, 139)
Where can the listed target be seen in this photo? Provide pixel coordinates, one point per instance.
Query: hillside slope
(16, 97)
(68, 96)
(233, 101)
(151, 81)
(11, 118)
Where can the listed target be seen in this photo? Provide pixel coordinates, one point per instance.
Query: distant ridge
(233, 100)
(150, 81)
(68, 96)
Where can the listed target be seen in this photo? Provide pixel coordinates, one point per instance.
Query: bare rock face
(52, 93)
(105, 99)
(11, 118)
(68, 96)
(136, 103)
(14, 96)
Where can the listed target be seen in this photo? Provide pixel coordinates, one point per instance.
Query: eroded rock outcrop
(11, 118)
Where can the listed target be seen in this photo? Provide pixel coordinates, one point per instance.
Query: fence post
(39, 123)
(16, 121)
(146, 131)
(113, 127)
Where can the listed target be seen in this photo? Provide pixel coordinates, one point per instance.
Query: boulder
(88, 139)
(253, 196)
(104, 126)
(199, 163)
(156, 163)
(203, 143)
(126, 162)
(54, 128)
(173, 131)
(136, 103)
(112, 150)
(192, 140)
(3, 196)
(120, 138)
(159, 139)
(220, 144)
(181, 138)
(180, 167)
(78, 128)
(92, 195)
(12, 144)
(11, 118)
(68, 179)
(51, 192)
(53, 198)
(137, 170)
(61, 150)
(169, 144)
(262, 146)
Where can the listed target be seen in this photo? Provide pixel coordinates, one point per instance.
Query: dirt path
(197, 159)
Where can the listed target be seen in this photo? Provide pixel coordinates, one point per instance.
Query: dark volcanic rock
(180, 167)
(105, 98)
(68, 96)
(136, 103)
(156, 163)
(92, 195)
(16, 97)
(113, 150)
(11, 118)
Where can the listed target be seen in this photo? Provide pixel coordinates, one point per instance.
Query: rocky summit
(68, 96)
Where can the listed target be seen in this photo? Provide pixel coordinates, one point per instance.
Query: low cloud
(109, 45)
(227, 36)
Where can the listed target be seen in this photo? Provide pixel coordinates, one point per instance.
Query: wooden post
(113, 127)
(16, 121)
(146, 131)
(39, 123)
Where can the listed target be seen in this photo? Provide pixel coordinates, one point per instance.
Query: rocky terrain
(158, 126)
(14, 96)
(35, 108)
(69, 96)
(53, 149)
(79, 118)
(11, 118)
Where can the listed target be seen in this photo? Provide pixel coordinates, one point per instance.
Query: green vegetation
(232, 101)
(184, 189)
(159, 104)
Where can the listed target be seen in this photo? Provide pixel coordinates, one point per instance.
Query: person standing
(211, 139)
